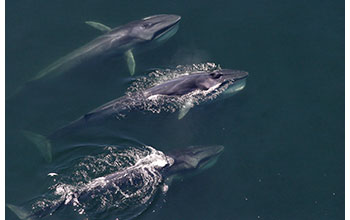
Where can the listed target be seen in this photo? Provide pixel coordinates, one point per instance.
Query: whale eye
(215, 75)
(146, 25)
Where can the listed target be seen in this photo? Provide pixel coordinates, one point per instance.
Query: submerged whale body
(125, 193)
(124, 40)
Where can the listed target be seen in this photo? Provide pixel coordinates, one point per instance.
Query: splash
(159, 103)
(132, 181)
(160, 76)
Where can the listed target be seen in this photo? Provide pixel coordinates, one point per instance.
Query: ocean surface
(283, 134)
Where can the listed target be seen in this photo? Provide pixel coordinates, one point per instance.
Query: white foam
(158, 103)
(140, 165)
(153, 97)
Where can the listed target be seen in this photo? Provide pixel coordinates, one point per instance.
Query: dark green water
(283, 134)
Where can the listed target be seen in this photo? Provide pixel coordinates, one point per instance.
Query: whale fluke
(20, 212)
(41, 142)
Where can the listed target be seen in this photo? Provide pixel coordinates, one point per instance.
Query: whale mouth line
(236, 80)
(166, 29)
(210, 160)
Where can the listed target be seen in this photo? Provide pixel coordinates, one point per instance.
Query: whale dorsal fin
(130, 60)
(185, 108)
(98, 26)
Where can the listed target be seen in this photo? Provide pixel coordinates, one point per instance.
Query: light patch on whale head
(236, 87)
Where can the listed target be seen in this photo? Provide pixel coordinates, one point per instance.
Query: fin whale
(120, 41)
(202, 81)
(157, 168)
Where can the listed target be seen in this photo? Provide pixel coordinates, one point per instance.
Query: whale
(138, 182)
(125, 40)
(202, 82)
(185, 88)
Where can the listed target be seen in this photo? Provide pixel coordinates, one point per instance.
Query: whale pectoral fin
(98, 26)
(185, 109)
(130, 60)
(42, 144)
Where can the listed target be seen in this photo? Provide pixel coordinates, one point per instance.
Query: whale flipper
(129, 56)
(42, 143)
(20, 212)
(98, 26)
(185, 108)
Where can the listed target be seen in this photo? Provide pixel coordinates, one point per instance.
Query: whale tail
(20, 212)
(41, 142)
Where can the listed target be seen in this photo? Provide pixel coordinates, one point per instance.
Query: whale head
(155, 28)
(217, 78)
(193, 159)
